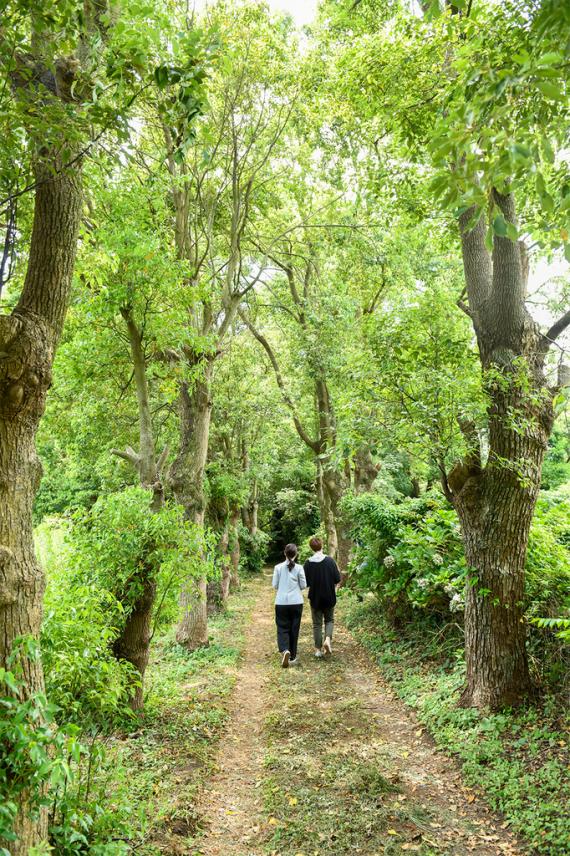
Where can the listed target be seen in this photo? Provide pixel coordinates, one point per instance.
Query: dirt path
(232, 806)
(323, 759)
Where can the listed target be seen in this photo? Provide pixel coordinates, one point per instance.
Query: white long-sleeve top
(289, 584)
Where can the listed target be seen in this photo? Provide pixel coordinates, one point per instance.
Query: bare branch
(312, 444)
(557, 329)
(128, 455)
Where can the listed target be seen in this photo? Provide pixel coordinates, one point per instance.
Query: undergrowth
(518, 759)
(142, 781)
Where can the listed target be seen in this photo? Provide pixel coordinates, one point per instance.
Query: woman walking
(289, 581)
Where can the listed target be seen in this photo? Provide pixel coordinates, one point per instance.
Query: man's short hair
(316, 544)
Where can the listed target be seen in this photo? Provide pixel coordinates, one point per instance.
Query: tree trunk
(334, 486)
(133, 643)
(496, 503)
(187, 479)
(365, 470)
(28, 340)
(250, 511)
(218, 590)
(327, 519)
(496, 510)
(192, 631)
(234, 549)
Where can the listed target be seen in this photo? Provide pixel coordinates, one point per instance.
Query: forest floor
(323, 758)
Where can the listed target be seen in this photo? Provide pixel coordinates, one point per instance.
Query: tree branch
(128, 455)
(312, 444)
(557, 329)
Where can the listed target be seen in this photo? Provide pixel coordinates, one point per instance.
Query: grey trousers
(320, 615)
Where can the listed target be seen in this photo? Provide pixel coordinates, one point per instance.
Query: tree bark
(218, 590)
(327, 518)
(28, 340)
(234, 548)
(187, 480)
(496, 503)
(365, 470)
(133, 643)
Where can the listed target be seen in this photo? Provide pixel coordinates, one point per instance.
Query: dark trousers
(288, 621)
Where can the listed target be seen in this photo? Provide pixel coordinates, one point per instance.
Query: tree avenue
(260, 284)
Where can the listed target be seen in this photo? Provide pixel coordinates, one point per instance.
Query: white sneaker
(319, 655)
(285, 659)
(294, 662)
(327, 647)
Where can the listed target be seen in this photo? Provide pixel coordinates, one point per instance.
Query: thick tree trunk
(325, 510)
(496, 503)
(334, 485)
(28, 339)
(187, 479)
(496, 509)
(133, 644)
(250, 511)
(192, 631)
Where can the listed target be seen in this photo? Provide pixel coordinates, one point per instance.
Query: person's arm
(302, 579)
(336, 577)
(275, 582)
(307, 571)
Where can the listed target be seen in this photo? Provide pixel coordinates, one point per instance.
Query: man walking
(323, 577)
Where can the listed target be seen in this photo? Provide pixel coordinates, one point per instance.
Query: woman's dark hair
(291, 553)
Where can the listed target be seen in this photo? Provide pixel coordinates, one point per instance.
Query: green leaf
(551, 58)
(500, 226)
(512, 232)
(551, 90)
(161, 76)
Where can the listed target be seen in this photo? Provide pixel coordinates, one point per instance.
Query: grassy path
(323, 759)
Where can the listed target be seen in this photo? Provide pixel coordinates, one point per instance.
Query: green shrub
(85, 681)
(253, 550)
(94, 576)
(118, 542)
(54, 768)
(410, 555)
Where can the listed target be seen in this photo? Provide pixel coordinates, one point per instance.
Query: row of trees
(282, 264)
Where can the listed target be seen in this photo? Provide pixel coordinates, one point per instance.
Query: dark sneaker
(327, 647)
(285, 659)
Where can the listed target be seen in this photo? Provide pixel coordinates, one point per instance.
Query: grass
(330, 785)
(517, 759)
(158, 769)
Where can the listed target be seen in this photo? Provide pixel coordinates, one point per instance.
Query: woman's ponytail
(291, 554)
